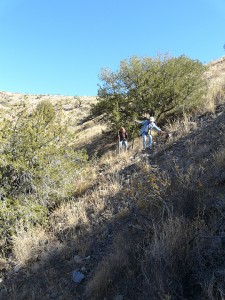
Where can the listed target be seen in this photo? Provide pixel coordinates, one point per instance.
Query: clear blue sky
(60, 46)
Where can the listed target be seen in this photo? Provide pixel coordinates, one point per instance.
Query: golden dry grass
(215, 76)
(28, 244)
(181, 127)
(86, 133)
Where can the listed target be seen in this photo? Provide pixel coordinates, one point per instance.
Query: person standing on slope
(146, 131)
(122, 138)
(152, 126)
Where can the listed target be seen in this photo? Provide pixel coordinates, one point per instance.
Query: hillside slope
(146, 226)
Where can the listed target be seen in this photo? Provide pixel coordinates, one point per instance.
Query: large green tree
(161, 86)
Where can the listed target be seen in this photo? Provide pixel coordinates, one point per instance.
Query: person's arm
(157, 128)
(118, 136)
(161, 131)
(139, 122)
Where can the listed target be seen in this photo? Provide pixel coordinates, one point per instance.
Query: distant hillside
(216, 80)
(216, 72)
(10, 101)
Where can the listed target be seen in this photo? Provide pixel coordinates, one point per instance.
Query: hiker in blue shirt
(146, 131)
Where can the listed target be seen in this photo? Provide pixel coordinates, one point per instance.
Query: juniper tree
(162, 86)
(37, 167)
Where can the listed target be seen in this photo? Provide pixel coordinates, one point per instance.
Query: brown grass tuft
(28, 244)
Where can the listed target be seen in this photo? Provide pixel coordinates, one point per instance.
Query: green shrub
(36, 163)
(18, 211)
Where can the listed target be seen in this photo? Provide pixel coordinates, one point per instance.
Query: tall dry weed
(28, 244)
(180, 127)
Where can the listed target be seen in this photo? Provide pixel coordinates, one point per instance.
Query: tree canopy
(158, 86)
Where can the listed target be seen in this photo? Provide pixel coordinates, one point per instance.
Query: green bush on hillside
(23, 211)
(37, 167)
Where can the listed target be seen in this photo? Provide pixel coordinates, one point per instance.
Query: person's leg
(144, 140)
(120, 146)
(125, 145)
(149, 140)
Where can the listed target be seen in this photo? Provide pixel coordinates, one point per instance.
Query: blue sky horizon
(59, 47)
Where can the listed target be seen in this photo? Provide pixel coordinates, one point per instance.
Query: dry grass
(191, 146)
(166, 256)
(209, 104)
(69, 216)
(219, 159)
(215, 96)
(85, 180)
(28, 244)
(112, 268)
(74, 108)
(180, 127)
(86, 133)
(215, 76)
(144, 254)
(219, 155)
(114, 162)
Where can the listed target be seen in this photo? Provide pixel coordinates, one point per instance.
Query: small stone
(78, 276)
(77, 259)
(17, 268)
